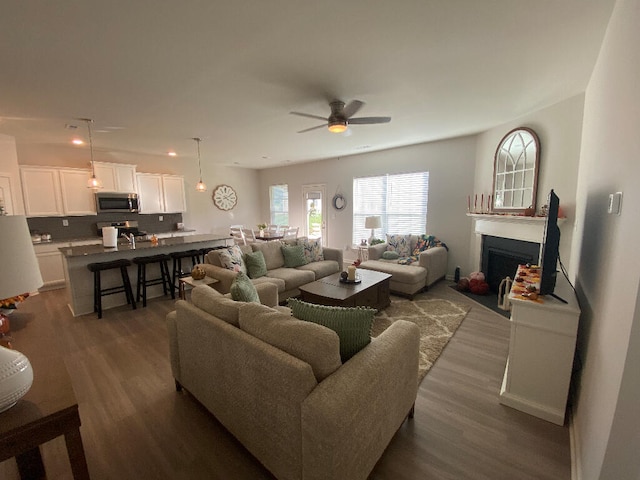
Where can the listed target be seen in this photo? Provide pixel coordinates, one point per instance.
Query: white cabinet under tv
(541, 350)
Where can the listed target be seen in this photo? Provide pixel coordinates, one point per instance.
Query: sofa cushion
(242, 290)
(352, 324)
(272, 253)
(293, 256)
(231, 259)
(316, 345)
(256, 266)
(322, 268)
(400, 244)
(312, 249)
(213, 257)
(292, 277)
(212, 302)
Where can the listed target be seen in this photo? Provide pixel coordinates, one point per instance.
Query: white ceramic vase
(16, 377)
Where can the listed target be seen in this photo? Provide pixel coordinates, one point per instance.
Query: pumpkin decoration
(198, 273)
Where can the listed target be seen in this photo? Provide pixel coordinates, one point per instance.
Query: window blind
(399, 199)
(279, 204)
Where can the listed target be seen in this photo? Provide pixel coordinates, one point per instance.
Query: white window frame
(400, 199)
(279, 216)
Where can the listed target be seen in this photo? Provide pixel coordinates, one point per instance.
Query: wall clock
(224, 197)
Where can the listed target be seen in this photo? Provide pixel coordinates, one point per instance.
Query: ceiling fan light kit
(341, 116)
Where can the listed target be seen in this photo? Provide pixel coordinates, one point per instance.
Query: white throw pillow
(231, 259)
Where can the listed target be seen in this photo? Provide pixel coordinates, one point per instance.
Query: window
(279, 204)
(400, 200)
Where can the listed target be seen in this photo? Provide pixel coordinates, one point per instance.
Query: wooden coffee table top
(331, 287)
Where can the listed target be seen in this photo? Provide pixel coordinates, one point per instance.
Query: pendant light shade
(200, 186)
(93, 182)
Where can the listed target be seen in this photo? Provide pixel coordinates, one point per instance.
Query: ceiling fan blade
(324, 125)
(368, 120)
(352, 108)
(308, 115)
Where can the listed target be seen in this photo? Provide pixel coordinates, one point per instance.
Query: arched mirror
(515, 172)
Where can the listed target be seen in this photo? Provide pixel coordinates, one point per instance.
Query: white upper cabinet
(174, 199)
(158, 193)
(41, 191)
(56, 192)
(116, 177)
(77, 199)
(150, 196)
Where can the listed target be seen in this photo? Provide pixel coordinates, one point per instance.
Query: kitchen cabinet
(51, 265)
(116, 177)
(173, 190)
(77, 199)
(159, 193)
(41, 191)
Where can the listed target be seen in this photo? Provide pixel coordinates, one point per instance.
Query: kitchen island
(79, 280)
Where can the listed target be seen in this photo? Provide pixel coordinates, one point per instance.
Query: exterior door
(315, 210)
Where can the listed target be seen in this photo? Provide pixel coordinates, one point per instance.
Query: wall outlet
(615, 203)
(160, 218)
(65, 222)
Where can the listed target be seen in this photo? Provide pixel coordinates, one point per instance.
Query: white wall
(559, 130)
(9, 165)
(450, 164)
(606, 410)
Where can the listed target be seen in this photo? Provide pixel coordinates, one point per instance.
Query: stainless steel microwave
(117, 202)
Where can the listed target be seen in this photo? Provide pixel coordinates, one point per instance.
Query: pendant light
(200, 186)
(93, 182)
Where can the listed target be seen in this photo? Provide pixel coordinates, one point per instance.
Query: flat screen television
(550, 247)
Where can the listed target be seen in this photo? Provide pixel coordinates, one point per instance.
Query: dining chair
(237, 235)
(272, 229)
(249, 235)
(291, 233)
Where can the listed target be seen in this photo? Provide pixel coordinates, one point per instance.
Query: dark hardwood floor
(136, 426)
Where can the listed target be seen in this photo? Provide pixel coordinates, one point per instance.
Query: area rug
(437, 318)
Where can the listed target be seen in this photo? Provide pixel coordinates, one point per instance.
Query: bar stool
(203, 252)
(177, 272)
(99, 292)
(144, 282)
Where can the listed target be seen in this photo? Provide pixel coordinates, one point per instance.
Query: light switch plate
(615, 203)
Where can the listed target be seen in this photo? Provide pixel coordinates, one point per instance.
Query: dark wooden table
(372, 291)
(48, 410)
(267, 238)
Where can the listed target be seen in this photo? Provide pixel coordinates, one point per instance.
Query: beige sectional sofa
(286, 279)
(409, 279)
(277, 384)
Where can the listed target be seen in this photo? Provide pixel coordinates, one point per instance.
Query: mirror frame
(507, 140)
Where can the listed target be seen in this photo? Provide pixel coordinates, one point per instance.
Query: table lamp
(20, 274)
(372, 222)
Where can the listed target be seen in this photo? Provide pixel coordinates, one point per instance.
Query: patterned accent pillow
(352, 324)
(312, 249)
(243, 290)
(231, 259)
(400, 244)
(293, 256)
(256, 265)
(425, 242)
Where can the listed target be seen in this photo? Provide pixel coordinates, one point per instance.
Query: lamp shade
(20, 270)
(373, 222)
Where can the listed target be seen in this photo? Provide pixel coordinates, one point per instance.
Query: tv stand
(541, 348)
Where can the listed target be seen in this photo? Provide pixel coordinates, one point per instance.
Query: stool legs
(97, 295)
(127, 287)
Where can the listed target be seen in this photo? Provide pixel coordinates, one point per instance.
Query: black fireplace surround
(501, 257)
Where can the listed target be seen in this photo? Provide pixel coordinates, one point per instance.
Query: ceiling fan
(342, 116)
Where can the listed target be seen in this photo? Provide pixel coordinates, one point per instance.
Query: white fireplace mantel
(528, 229)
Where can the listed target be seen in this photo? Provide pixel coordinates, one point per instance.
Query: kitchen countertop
(98, 239)
(144, 246)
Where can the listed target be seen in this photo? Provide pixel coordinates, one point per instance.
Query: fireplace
(501, 257)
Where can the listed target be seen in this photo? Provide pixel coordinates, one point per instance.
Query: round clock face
(224, 197)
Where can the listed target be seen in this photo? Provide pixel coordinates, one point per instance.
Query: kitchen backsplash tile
(85, 227)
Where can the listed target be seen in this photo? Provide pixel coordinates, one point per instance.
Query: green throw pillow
(293, 255)
(256, 266)
(352, 324)
(390, 255)
(243, 290)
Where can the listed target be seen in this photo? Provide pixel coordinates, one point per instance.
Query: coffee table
(372, 291)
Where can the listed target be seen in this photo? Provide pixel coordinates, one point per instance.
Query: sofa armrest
(354, 413)
(268, 293)
(333, 254)
(224, 276)
(376, 251)
(434, 260)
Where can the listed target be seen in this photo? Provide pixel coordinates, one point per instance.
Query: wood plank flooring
(136, 426)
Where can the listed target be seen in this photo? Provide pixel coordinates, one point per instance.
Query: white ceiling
(163, 71)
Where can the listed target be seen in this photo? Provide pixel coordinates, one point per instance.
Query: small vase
(262, 232)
